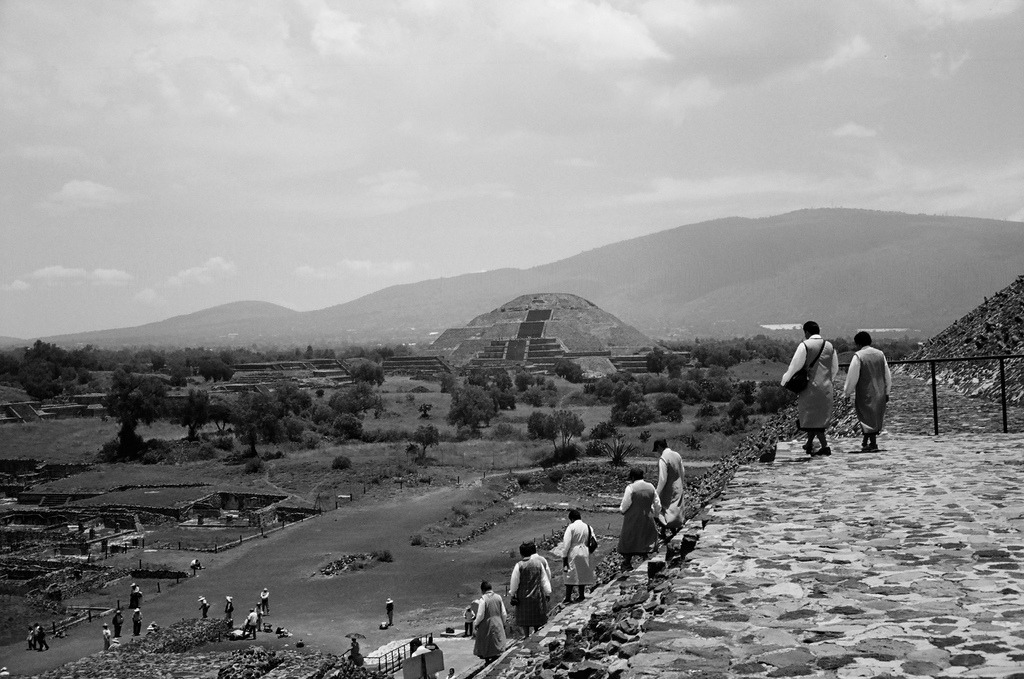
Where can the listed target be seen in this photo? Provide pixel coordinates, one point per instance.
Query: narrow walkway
(903, 562)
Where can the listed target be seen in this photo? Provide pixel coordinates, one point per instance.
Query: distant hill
(847, 269)
(12, 342)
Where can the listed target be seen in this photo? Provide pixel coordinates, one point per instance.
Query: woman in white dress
(576, 556)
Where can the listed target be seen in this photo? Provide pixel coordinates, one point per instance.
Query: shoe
(825, 451)
(809, 448)
(872, 448)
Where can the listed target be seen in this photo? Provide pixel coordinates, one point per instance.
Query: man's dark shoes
(823, 452)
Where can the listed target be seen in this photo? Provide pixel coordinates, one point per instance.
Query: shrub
(341, 462)
(603, 430)
(310, 440)
(568, 370)
(416, 540)
(108, 451)
(691, 441)
(560, 455)
(669, 406)
(618, 450)
(595, 448)
(707, 410)
(348, 426)
(383, 555)
(254, 466)
(555, 475)
(224, 443)
(523, 480)
(504, 431)
(275, 455)
(634, 415)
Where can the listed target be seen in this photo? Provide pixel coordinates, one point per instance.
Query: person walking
(204, 606)
(670, 490)
(32, 638)
(137, 622)
(530, 588)
(229, 610)
(639, 508)
(41, 644)
(489, 642)
(389, 608)
(118, 621)
(265, 601)
(135, 597)
(814, 403)
(250, 624)
(868, 382)
(578, 573)
(106, 638)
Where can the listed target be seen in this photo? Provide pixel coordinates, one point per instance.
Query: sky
(158, 158)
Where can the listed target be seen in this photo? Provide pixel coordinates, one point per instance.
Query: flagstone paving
(905, 562)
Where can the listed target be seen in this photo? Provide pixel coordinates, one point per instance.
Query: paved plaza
(904, 562)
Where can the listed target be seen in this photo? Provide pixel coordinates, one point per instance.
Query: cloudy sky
(157, 158)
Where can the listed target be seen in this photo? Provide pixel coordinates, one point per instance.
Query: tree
(426, 435)
(363, 371)
(133, 400)
(257, 418)
(569, 425)
(193, 412)
(655, 361)
(470, 406)
(425, 409)
(213, 369)
(669, 406)
(540, 425)
(568, 370)
(347, 426)
(356, 400)
(562, 423)
(220, 414)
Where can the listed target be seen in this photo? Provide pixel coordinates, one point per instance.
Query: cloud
(937, 12)
(58, 273)
(148, 296)
(854, 48)
(945, 65)
(357, 267)
(85, 194)
(215, 268)
(58, 155)
(17, 285)
(852, 129)
(336, 34)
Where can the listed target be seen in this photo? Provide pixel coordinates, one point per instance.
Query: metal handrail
(1002, 358)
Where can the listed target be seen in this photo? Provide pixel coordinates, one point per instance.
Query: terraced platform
(905, 562)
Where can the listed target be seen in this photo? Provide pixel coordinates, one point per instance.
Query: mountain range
(848, 269)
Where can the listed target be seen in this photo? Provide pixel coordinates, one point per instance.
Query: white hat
(202, 598)
(389, 601)
(228, 598)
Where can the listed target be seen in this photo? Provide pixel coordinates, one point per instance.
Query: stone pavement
(905, 562)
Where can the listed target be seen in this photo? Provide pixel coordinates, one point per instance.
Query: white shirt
(800, 358)
(853, 375)
(545, 576)
(483, 605)
(627, 498)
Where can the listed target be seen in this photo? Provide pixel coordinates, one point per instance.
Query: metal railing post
(935, 399)
(1002, 390)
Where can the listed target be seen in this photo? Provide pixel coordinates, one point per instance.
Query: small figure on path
(31, 638)
(470, 616)
(137, 622)
(576, 556)
(814, 403)
(229, 610)
(204, 606)
(354, 653)
(265, 601)
(490, 625)
(530, 588)
(135, 597)
(389, 608)
(106, 638)
(670, 490)
(868, 382)
(41, 644)
(259, 617)
(250, 624)
(152, 627)
(639, 508)
(195, 566)
(118, 621)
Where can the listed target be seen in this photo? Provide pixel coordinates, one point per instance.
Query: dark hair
(574, 515)
(660, 444)
(635, 473)
(414, 644)
(485, 586)
(811, 328)
(862, 339)
(527, 548)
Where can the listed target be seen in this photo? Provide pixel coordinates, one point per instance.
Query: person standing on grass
(118, 621)
(389, 608)
(670, 490)
(106, 638)
(469, 616)
(576, 556)
(265, 601)
(229, 610)
(489, 642)
(137, 622)
(530, 588)
(814, 403)
(868, 382)
(204, 606)
(135, 597)
(639, 508)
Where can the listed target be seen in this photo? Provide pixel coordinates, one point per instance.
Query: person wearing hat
(229, 610)
(670, 490)
(204, 607)
(250, 624)
(106, 637)
(4, 672)
(137, 622)
(118, 620)
(265, 601)
(389, 608)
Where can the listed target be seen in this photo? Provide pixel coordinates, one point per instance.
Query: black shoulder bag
(800, 379)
